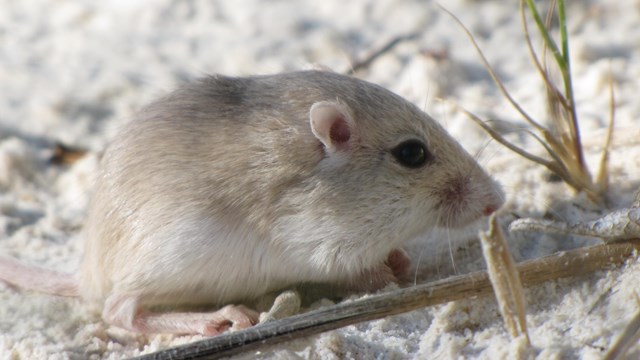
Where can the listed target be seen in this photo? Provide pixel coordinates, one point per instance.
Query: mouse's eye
(411, 153)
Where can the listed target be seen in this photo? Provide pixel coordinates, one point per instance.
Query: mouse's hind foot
(207, 323)
(124, 311)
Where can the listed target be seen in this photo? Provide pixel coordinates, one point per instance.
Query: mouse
(231, 187)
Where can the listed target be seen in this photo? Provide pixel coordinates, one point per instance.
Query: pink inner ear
(340, 132)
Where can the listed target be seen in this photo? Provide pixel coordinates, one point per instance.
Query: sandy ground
(74, 71)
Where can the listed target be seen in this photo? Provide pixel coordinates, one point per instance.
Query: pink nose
(490, 209)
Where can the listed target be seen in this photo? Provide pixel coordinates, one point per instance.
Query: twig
(602, 178)
(629, 336)
(66, 155)
(621, 224)
(559, 265)
(494, 76)
(505, 280)
(364, 63)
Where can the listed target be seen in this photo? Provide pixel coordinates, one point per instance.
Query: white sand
(74, 71)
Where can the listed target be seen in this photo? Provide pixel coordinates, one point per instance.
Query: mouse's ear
(332, 124)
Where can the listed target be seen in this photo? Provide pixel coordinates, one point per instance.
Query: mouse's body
(232, 187)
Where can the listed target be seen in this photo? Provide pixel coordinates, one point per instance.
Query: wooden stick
(559, 265)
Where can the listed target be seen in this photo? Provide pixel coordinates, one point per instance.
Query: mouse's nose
(490, 209)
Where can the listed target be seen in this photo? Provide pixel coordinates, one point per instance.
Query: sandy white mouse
(229, 188)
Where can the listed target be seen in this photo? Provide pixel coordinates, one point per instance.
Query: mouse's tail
(36, 278)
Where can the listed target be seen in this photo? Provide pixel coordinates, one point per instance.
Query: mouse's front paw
(399, 263)
(395, 269)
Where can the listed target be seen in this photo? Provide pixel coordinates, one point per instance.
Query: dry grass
(561, 136)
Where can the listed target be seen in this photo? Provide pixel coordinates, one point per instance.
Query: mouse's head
(385, 173)
(388, 172)
(376, 141)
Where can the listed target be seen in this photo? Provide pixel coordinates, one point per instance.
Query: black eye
(411, 153)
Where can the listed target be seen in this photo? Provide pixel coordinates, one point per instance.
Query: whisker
(451, 256)
(415, 272)
(481, 150)
(546, 205)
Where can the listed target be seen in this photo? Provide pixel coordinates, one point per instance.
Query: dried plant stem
(630, 336)
(562, 141)
(554, 166)
(366, 62)
(559, 265)
(575, 156)
(620, 224)
(493, 75)
(505, 280)
(602, 178)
